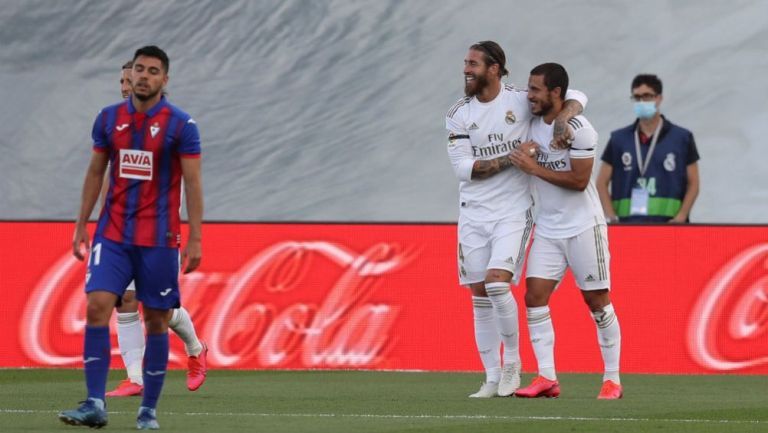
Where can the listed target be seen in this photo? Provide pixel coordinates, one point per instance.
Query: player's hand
(192, 255)
(80, 240)
(562, 135)
(524, 157)
(529, 148)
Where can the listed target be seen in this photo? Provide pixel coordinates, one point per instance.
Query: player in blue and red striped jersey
(152, 146)
(130, 335)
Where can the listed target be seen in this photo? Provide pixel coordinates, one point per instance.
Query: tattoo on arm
(559, 129)
(484, 169)
(560, 134)
(571, 108)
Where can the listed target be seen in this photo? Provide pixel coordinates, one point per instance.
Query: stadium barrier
(690, 299)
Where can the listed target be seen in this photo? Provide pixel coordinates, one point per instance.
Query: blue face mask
(645, 109)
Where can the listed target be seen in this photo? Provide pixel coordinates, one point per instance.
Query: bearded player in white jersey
(495, 218)
(570, 231)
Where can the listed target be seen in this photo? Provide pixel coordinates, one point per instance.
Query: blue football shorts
(155, 271)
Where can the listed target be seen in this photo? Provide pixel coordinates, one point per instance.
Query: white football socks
(182, 325)
(487, 338)
(505, 309)
(543, 340)
(609, 338)
(130, 338)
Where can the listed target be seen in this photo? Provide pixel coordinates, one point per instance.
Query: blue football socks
(155, 366)
(96, 358)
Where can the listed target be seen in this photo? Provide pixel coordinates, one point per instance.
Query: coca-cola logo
(728, 329)
(304, 304)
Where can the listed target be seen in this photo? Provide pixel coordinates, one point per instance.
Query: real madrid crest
(510, 117)
(669, 162)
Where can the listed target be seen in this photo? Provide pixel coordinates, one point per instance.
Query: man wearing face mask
(650, 171)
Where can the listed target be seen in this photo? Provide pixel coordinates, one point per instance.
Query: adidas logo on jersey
(590, 279)
(473, 126)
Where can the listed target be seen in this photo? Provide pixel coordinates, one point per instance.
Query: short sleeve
(584, 143)
(98, 133)
(189, 143)
(577, 95)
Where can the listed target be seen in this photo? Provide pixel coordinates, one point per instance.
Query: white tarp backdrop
(333, 110)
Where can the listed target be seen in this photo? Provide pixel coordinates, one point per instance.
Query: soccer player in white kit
(495, 217)
(570, 231)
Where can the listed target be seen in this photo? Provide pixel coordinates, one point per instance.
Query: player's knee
(498, 275)
(478, 289)
(129, 305)
(98, 313)
(156, 321)
(536, 299)
(596, 300)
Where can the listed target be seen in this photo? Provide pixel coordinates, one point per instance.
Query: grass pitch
(356, 401)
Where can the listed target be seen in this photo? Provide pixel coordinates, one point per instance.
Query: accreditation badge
(639, 202)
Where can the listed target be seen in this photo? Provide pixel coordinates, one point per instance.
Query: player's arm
(104, 189)
(581, 154)
(94, 177)
(575, 102)
(193, 190)
(484, 169)
(464, 164)
(466, 167)
(576, 179)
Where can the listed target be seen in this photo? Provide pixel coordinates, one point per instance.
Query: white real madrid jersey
(563, 212)
(484, 131)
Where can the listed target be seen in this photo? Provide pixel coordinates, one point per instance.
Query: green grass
(353, 401)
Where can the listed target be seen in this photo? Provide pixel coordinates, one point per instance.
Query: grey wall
(333, 110)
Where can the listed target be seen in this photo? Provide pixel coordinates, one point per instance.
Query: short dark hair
(492, 55)
(156, 52)
(554, 76)
(128, 65)
(649, 80)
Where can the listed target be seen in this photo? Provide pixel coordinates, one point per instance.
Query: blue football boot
(147, 419)
(88, 414)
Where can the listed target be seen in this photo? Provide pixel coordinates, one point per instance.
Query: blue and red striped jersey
(143, 202)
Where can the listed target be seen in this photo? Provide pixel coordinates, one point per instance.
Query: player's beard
(150, 93)
(544, 108)
(475, 86)
(147, 97)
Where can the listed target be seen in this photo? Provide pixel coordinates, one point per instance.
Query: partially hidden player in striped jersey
(495, 216)
(570, 232)
(151, 145)
(130, 335)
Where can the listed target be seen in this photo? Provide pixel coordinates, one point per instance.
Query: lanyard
(644, 166)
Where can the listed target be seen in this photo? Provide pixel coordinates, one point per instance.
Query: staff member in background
(650, 169)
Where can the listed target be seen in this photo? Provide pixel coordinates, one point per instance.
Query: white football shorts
(586, 253)
(500, 244)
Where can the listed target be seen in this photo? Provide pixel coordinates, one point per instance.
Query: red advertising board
(690, 299)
